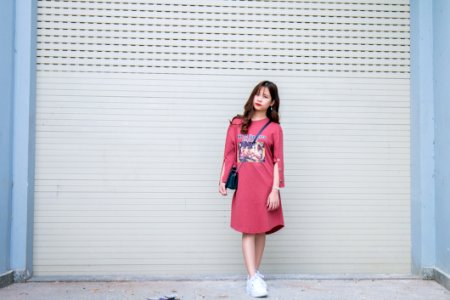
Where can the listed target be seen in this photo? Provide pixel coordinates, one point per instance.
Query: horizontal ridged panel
(126, 118)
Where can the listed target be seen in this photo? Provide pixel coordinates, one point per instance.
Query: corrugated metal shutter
(133, 101)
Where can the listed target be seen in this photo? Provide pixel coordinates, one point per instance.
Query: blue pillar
(24, 113)
(441, 75)
(422, 139)
(6, 109)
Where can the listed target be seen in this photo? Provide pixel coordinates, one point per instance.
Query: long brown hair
(249, 111)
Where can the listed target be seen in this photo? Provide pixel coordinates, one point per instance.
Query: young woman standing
(256, 208)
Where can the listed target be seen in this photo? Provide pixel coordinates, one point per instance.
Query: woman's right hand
(222, 189)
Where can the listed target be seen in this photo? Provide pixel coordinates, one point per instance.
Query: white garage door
(133, 100)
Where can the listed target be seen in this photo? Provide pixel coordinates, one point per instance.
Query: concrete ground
(285, 289)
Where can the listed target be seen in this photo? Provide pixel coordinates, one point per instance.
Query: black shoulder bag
(232, 181)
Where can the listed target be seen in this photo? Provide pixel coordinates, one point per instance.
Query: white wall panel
(133, 100)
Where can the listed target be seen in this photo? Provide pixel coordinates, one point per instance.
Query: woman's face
(262, 99)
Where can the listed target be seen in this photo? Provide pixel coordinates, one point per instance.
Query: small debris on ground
(166, 297)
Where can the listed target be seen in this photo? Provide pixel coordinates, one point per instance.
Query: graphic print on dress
(252, 153)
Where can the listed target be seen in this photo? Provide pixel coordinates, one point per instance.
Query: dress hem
(270, 231)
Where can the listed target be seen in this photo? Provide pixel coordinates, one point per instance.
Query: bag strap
(259, 132)
(253, 142)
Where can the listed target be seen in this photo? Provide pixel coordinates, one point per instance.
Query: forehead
(264, 90)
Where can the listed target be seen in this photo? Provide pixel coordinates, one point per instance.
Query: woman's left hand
(273, 201)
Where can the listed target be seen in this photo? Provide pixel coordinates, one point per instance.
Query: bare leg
(248, 249)
(260, 242)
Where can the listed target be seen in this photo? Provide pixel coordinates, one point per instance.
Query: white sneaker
(262, 278)
(256, 287)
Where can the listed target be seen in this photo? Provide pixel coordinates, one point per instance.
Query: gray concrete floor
(285, 289)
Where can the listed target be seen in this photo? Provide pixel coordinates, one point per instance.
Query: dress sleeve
(229, 156)
(278, 156)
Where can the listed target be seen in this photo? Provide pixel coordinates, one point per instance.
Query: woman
(256, 208)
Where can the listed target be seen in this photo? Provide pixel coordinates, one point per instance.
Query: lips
(256, 104)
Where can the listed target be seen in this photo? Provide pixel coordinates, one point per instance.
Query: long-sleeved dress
(249, 213)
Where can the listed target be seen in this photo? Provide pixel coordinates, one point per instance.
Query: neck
(259, 115)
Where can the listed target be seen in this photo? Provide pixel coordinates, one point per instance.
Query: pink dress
(249, 213)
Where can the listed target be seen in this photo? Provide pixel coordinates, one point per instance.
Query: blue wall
(6, 109)
(23, 161)
(17, 135)
(422, 138)
(441, 55)
(430, 137)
